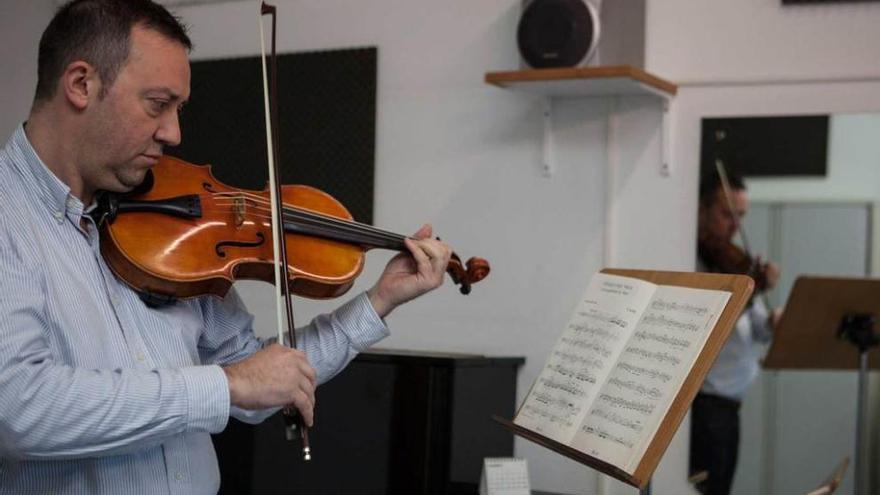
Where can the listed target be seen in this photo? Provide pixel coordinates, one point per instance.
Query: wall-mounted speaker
(557, 33)
(566, 33)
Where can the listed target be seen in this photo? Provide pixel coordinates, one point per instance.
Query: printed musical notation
(548, 414)
(549, 400)
(554, 409)
(598, 348)
(669, 323)
(663, 339)
(604, 318)
(602, 333)
(577, 374)
(617, 419)
(565, 386)
(681, 307)
(607, 435)
(584, 355)
(642, 371)
(661, 357)
(638, 388)
(630, 405)
(578, 360)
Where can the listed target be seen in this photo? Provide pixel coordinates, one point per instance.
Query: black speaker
(557, 33)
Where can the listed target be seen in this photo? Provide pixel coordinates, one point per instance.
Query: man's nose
(168, 132)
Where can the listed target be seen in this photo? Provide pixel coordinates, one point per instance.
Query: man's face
(128, 128)
(718, 221)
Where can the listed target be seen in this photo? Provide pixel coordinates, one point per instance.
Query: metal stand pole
(861, 423)
(859, 330)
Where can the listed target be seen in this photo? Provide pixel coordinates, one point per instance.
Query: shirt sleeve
(759, 318)
(51, 410)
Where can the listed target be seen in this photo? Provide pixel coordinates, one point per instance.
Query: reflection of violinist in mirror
(99, 392)
(719, 220)
(715, 411)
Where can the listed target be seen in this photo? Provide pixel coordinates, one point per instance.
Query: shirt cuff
(207, 390)
(363, 326)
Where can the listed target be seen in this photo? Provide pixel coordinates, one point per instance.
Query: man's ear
(80, 84)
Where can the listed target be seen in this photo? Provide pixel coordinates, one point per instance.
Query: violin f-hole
(219, 247)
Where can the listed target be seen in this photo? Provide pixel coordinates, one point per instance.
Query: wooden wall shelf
(584, 81)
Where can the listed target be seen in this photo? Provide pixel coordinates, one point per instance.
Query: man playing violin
(715, 411)
(99, 392)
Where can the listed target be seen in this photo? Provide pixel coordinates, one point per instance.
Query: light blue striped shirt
(100, 394)
(737, 364)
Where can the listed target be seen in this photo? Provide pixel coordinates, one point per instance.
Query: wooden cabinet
(391, 422)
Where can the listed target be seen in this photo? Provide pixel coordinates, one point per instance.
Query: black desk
(408, 423)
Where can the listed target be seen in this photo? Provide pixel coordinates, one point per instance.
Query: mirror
(796, 426)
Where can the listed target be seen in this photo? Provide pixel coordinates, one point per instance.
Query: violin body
(182, 233)
(726, 257)
(162, 254)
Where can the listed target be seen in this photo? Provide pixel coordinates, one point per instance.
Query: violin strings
(345, 233)
(319, 219)
(310, 218)
(259, 200)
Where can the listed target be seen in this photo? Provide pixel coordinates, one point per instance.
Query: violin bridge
(238, 209)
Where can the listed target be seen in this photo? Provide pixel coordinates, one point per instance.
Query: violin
(726, 257)
(182, 233)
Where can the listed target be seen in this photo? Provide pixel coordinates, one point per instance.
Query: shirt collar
(54, 193)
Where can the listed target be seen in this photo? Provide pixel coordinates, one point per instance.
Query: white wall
(21, 24)
(753, 40)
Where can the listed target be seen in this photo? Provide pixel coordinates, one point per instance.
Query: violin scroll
(466, 274)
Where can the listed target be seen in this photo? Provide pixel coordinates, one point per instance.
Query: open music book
(619, 367)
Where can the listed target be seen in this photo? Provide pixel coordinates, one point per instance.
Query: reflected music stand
(829, 323)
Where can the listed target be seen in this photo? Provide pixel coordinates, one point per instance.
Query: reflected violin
(726, 257)
(182, 233)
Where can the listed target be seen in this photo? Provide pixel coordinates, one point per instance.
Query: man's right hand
(276, 376)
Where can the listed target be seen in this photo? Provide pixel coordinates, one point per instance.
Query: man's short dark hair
(98, 32)
(710, 184)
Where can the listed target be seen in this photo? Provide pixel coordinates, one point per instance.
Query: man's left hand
(409, 275)
(771, 271)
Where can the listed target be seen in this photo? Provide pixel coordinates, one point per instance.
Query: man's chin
(129, 181)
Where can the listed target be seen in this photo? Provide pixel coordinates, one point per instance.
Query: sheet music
(584, 355)
(654, 363)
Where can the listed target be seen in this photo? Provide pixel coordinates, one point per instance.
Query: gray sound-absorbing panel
(327, 115)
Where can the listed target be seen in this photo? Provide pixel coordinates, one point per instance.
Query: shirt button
(178, 476)
(59, 215)
(141, 357)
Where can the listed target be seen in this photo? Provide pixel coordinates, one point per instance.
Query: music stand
(829, 323)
